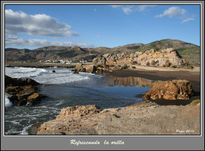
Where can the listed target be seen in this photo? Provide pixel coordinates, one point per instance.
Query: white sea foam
(22, 72)
(46, 76)
(25, 130)
(7, 102)
(59, 78)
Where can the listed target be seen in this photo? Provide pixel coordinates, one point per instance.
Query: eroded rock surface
(156, 58)
(170, 90)
(141, 118)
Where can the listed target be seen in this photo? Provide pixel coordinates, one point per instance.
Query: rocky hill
(52, 53)
(187, 51)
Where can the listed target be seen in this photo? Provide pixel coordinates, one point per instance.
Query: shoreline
(101, 125)
(150, 73)
(193, 77)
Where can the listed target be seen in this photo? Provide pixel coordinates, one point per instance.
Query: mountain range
(188, 51)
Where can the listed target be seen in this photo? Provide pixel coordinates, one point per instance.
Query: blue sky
(33, 26)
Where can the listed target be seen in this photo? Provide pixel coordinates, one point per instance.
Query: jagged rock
(170, 90)
(100, 61)
(22, 91)
(19, 82)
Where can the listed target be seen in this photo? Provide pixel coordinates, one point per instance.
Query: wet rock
(33, 129)
(19, 82)
(170, 90)
(22, 91)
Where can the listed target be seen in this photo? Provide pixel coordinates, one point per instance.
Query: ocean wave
(22, 72)
(7, 102)
(47, 76)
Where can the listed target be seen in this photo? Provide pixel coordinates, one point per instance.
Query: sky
(34, 26)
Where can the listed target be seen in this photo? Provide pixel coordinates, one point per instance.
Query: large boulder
(19, 82)
(22, 91)
(170, 90)
(79, 68)
(90, 68)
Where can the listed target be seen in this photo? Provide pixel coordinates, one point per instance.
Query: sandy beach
(192, 76)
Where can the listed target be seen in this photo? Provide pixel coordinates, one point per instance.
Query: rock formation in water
(170, 90)
(23, 91)
(85, 68)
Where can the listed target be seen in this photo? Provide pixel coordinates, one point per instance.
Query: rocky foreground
(141, 118)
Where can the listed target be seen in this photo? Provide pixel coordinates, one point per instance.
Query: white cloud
(172, 12)
(20, 42)
(126, 9)
(188, 19)
(141, 8)
(94, 9)
(36, 25)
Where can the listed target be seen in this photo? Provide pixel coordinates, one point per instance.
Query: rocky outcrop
(85, 68)
(141, 118)
(90, 68)
(158, 58)
(22, 91)
(100, 61)
(70, 121)
(79, 68)
(165, 57)
(170, 90)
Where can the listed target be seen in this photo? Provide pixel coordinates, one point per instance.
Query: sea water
(63, 88)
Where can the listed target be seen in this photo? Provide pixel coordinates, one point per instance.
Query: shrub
(147, 64)
(186, 62)
(189, 67)
(106, 66)
(167, 63)
(174, 66)
(124, 66)
(134, 62)
(99, 66)
(195, 102)
(153, 63)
